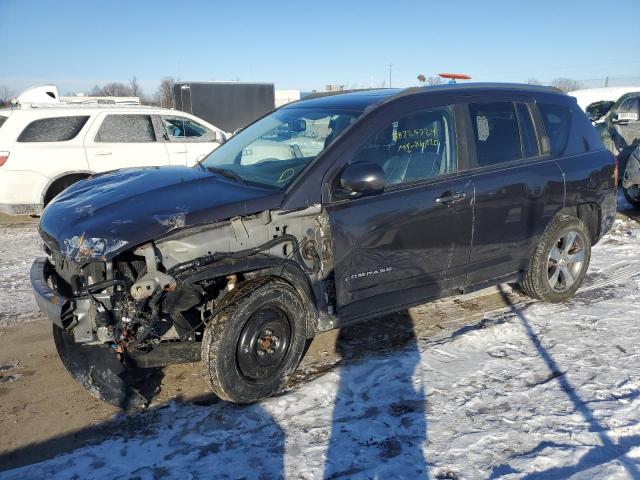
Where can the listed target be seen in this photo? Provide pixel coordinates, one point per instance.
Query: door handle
(449, 198)
(102, 153)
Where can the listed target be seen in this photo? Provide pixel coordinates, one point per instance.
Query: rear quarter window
(2, 120)
(557, 125)
(54, 129)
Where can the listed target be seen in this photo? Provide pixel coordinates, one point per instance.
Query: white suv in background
(43, 150)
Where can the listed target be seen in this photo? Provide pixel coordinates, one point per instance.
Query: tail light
(4, 156)
(615, 170)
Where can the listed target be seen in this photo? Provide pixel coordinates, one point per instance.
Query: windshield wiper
(226, 173)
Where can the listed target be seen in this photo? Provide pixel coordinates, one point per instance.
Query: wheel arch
(55, 181)
(260, 266)
(590, 213)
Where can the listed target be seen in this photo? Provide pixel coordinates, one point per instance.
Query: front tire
(97, 369)
(251, 348)
(560, 261)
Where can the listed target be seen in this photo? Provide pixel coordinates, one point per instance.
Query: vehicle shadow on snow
(379, 418)
(598, 454)
(203, 438)
(378, 426)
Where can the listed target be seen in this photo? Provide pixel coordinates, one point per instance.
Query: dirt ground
(44, 412)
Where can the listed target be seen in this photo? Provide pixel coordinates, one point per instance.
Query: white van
(45, 149)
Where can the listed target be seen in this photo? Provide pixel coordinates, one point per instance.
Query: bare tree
(434, 81)
(6, 95)
(164, 94)
(533, 81)
(421, 78)
(112, 89)
(566, 84)
(136, 91)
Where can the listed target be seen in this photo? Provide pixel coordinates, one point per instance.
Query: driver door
(412, 241)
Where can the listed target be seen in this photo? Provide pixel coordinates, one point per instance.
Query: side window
(530, 146)
(126, 129)
(629, 109)
(557, 124)
(2, 120)
(418, 146)
(180, 129)
(55, 129)
(495, 131)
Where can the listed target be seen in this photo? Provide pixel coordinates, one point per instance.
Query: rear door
(518, 186)
(120, 140)
(188, 141)
(410, 242)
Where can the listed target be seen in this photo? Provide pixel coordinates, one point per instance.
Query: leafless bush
(566, 84)
(6, 95)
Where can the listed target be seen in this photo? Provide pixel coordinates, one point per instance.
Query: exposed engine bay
(165, 291)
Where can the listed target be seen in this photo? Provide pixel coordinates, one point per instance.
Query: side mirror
(363, 177)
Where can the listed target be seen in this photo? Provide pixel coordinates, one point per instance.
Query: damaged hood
(97, 218)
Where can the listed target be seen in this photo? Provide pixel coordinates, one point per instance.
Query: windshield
(275, 149)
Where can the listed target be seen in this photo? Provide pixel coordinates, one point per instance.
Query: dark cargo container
(227, 105)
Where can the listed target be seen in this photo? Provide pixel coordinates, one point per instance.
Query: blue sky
(307, 44)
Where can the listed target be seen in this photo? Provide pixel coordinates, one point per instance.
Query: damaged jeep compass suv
(331, 210)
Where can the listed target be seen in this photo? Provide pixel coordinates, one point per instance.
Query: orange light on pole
(455, 76)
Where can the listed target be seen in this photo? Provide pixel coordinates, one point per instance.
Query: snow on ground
(20, 244)
(534, 391)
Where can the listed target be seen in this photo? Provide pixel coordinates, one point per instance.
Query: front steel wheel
(253, 345)
(264, 344)
(560, 261)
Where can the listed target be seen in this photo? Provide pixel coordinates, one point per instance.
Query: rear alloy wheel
(560, 261)
(565, 262)
(251, 348)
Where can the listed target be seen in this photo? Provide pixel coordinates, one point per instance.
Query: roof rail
(482, 85)
(335, 92)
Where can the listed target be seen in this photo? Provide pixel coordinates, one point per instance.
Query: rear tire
(560, 261)
(632, 195)
(252, 347)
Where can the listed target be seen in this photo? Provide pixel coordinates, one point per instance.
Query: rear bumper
(50, 302)
(21, 191)
(20, 209)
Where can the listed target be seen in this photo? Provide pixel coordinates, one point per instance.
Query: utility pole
(390, 67)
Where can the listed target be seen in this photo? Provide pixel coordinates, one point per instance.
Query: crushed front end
(149, 305)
